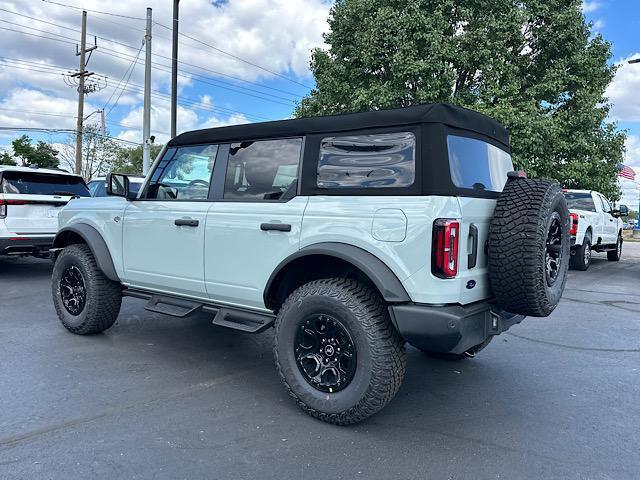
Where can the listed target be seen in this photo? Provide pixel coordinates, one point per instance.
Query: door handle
(279, 227)
(473, 256)
(186, 222)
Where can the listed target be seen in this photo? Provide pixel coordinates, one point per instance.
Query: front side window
(580, 201)
(183, 174)
(384, 160)
(262, 170)
(477, 164)
(35, 183)
(606, 206)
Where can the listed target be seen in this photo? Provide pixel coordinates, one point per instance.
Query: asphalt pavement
(163, 398)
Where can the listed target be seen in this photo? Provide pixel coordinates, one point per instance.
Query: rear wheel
(581, 259)
(86, 301)
(616, 255)
(337, 352)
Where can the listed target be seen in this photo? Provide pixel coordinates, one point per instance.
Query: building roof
(450, 115)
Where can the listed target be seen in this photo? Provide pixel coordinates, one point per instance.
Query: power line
(240, 59)
(137, 88)
(93, 11)
(130, 70)
(60, 130)
(198, 77)
(111, 40)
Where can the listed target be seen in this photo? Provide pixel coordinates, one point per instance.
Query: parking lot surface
(159, 397)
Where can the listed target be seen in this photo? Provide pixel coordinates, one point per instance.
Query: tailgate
(32, 214)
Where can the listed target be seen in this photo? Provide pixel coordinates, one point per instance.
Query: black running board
(242, 320)
(237, 319)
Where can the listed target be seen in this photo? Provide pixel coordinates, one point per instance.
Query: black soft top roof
(450, 115)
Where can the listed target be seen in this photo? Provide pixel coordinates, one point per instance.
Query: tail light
(4, 203)
(444, 260)
(574, 223)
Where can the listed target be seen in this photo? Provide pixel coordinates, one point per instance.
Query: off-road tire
(381, 356)
(455, 357)
(103, 296)
(581, 259)
(616, 255)
(524, 214)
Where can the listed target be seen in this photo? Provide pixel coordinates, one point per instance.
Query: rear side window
(384, 160)
(580, 201)
(477, 164)
(262, 170)
(34, 183)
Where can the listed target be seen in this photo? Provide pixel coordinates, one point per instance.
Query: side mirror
(118, 185)
(624, 211)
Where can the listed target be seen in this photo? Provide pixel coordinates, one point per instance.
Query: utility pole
(146, 116)
(81, 74)
(174, 69)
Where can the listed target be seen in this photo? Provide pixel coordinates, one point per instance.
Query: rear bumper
(21, 245)
(450, 328)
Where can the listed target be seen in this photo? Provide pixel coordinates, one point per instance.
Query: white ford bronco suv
(30, 200)
(350, 234)
(595, 226)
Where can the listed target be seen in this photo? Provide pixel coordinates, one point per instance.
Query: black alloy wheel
(553, 249)
(325, 353)
(73, 290)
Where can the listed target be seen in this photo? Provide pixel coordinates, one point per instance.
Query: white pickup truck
(595, 226)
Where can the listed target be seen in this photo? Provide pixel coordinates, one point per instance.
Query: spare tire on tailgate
(529, 246)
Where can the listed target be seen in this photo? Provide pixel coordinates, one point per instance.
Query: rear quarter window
(478, 165)
(385, 160)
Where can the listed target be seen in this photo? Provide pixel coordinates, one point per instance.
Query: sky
(241, 61)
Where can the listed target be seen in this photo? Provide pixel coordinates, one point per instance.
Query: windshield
(477, 164)
(35, 183)
(580, 201)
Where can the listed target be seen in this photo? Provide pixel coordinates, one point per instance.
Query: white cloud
(623, 91)
(632, 154)
(23, 107)
(589, 6)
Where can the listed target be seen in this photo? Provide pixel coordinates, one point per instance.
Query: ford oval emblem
(471, 284)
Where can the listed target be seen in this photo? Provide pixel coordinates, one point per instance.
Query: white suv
(30, 200)
(350, 234)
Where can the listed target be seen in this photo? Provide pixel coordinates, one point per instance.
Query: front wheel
(86, 301)
(337, 352)
(616, 255)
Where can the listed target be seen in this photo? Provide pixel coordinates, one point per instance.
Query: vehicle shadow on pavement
(26, 268)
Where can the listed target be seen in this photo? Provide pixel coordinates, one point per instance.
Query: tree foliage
(129, 160)
(42, 155)
(534, 65)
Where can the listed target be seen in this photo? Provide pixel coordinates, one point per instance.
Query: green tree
(42, 155)
(534, 65)
(5, 159)
(129, 159)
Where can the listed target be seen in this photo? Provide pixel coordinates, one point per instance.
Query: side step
(240, 320)
(176, 307)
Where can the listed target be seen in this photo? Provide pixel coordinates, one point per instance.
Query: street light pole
(174, 69)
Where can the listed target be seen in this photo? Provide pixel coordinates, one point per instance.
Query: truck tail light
(444, 259)
(574, 223)
(4, 203)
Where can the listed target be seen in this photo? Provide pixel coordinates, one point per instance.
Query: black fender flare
(375, 269)
(96, 243)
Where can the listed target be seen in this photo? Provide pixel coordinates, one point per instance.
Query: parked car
(98, 186)
(30, 200)
(595, 226)
(350, 234)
